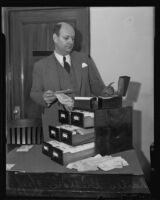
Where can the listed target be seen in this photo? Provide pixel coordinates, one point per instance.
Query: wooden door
(30, 38)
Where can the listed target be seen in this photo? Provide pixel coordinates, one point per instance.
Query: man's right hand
(49, 96)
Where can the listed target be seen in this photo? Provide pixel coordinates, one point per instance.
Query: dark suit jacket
(45, 77)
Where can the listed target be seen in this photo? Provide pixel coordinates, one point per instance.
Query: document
(24, 148)
(9, 166)
(97, 162)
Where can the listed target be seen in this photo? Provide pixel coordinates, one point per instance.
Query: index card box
(85, 103)
(64, 116)
(77, 136)
(82, 119)
(64, 154)
(46, 149)
(54, 132)
(64, 157)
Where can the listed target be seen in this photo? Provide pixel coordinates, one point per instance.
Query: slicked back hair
(57, 27)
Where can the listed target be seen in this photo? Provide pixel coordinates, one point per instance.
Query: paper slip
(84, 165)
(24, 148)
(76, 130)
(9, 166)
(64, 99)
(83, 98)
(71, 128)
(86, 113)
(88, 164)
(104, 163)
(116, 162)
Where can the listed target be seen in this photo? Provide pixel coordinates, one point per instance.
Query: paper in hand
(64, 99)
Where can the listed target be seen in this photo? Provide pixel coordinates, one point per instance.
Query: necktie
(66, 65)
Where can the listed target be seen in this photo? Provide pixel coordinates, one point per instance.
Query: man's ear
(54, 37)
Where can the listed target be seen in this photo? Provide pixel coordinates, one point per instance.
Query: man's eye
(67, 38)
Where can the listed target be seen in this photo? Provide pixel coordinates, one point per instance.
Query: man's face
(65, 40)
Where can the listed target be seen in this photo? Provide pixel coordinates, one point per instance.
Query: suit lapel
(53, 75)
(76, 63)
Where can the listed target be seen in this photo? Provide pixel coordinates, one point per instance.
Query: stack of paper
(104, 163)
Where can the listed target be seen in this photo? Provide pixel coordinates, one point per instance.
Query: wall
(122, 44)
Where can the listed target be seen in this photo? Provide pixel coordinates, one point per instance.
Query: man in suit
(50, 75)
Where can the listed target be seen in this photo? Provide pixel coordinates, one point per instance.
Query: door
(30, 39)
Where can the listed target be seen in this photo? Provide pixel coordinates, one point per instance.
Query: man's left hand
(108, 91)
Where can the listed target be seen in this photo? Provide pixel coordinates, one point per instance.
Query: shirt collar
(60, 58)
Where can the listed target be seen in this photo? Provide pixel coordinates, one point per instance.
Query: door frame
(6, 13)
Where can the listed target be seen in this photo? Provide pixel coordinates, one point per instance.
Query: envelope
(84, 65)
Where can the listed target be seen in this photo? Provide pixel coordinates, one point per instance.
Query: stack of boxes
(74, 139)
(97, 125)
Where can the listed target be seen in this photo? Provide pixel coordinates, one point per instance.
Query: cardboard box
(84, 119)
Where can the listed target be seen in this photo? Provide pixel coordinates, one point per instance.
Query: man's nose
(70, 40)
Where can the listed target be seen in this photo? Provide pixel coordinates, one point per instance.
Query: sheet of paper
(97, 162)
(9, 166)
(24, 148)
(83, 98)
(64, 99)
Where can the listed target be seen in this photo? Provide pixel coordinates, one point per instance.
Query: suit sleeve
(96, 83)
(37, 86)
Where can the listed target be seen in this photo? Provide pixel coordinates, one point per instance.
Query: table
(35, 175)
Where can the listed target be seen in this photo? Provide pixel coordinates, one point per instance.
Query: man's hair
(57, 27)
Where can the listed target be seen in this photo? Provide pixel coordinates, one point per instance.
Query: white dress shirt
(60, 58)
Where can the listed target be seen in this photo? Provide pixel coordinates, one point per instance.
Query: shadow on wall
(131, 98)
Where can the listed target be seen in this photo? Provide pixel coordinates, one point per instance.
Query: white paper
(104, 163)
(24, 148)
(64, 99)
(85, 113)
(9, 166)
(83, 98)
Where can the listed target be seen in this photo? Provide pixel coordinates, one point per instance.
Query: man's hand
(108, 90)
(49, 96)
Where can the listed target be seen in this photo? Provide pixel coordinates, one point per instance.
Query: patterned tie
(66, 65)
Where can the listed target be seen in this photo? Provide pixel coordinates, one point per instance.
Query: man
(81, 78)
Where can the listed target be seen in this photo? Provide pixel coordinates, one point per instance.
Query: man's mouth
(69, 47)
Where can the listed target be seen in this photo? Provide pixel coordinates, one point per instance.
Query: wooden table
(35, 175)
